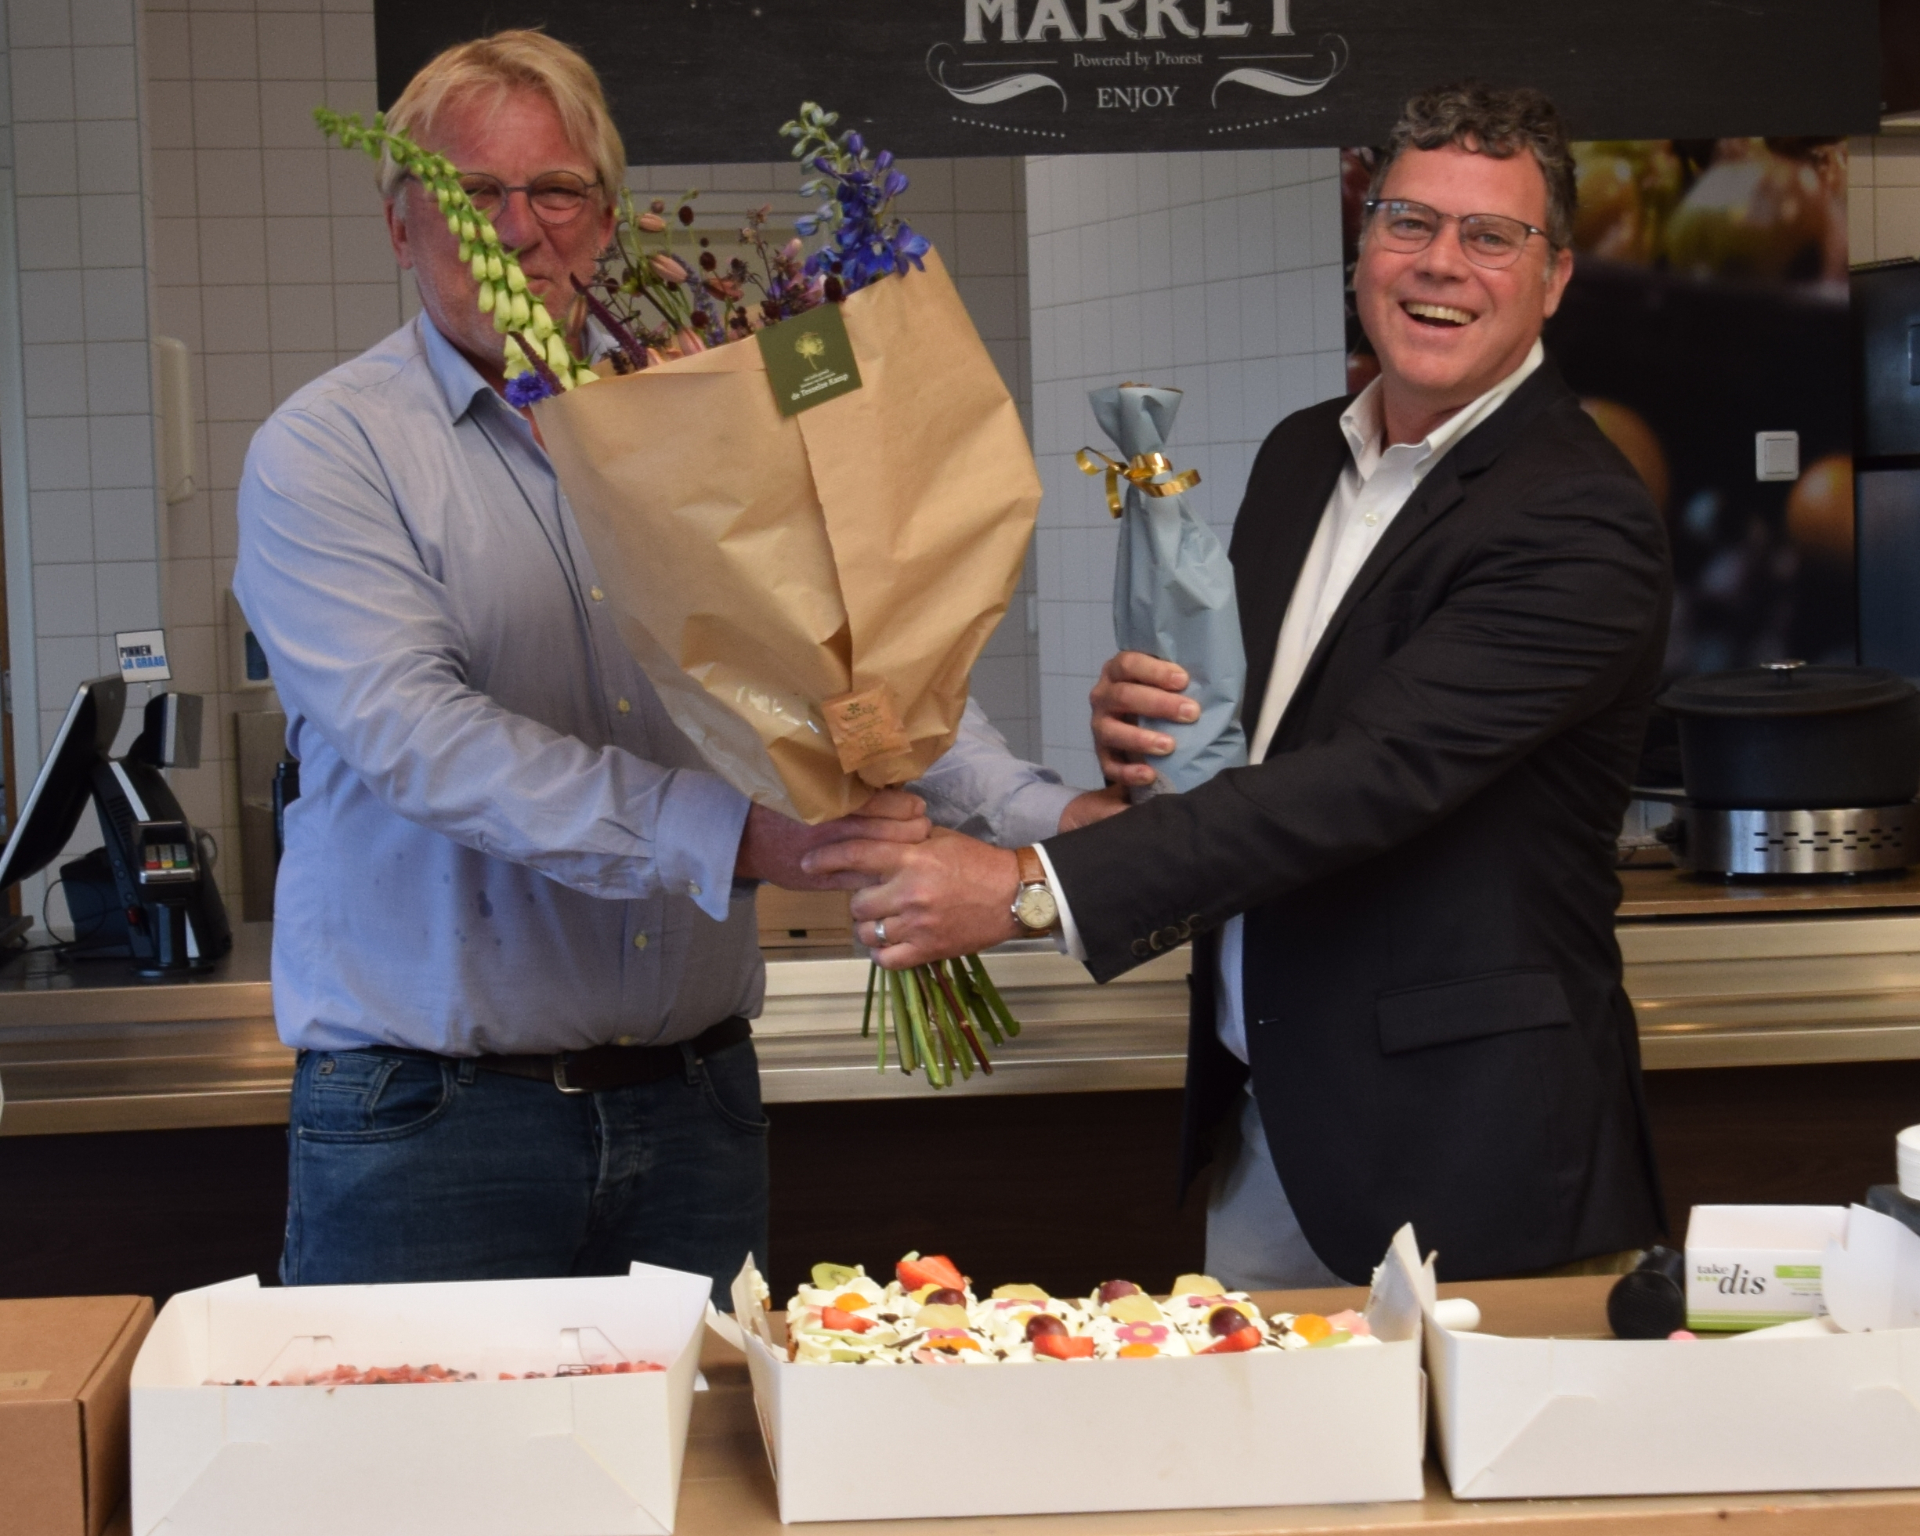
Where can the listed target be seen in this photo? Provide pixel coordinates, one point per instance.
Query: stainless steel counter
(94, 1050)
(89, 1048)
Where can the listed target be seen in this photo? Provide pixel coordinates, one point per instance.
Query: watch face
(1035, 908)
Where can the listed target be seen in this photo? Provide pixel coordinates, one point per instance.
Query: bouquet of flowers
(804, 486)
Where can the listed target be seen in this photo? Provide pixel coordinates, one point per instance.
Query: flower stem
(537, 361)
(629, 346)
(960, 1020)
(992, 994)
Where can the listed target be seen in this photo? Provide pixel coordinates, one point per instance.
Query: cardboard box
(64, 1364)
(1574, 1412)
(563, 1456)
(1270, 1427)
(1755, 1266)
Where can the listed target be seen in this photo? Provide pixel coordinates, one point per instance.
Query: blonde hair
(518, 59)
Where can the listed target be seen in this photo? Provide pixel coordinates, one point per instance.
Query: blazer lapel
(1268, 552)
(1444, 488)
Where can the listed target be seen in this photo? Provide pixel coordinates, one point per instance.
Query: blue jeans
(405, 1167)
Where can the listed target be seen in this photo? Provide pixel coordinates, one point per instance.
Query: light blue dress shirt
(502, 842)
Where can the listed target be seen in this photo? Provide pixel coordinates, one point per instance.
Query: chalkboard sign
(711, 80)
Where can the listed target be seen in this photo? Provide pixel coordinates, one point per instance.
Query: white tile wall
(1216, 273)
(1883, 197)
(974, 213)
(79, 405)
(271, 262)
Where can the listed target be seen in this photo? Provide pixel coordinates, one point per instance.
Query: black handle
(1651, 1301)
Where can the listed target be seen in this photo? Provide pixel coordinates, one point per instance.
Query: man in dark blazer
(1453, 592)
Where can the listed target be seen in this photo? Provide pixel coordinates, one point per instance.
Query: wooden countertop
(727, 1488)
(1675, 893)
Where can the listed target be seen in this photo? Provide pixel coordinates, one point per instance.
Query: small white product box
(1802, 1405)
(1755, 1266)
(1269, 1427)
(562, 1455)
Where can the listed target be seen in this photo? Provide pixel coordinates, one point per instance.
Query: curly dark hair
(1502, 124)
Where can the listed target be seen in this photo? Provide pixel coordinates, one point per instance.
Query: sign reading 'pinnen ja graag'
(710, 80)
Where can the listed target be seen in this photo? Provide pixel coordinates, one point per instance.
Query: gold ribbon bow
(1139, 470)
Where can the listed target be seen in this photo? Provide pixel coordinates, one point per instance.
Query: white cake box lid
(580, 1455)
(854, 1442)
(1806, 1405)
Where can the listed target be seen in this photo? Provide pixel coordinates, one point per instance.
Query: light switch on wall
(1776, 455)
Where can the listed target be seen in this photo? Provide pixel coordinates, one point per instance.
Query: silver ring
(880, 934)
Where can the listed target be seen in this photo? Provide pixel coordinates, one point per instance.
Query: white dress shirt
(1376, 483)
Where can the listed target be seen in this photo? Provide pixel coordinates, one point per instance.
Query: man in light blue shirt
(515, 940)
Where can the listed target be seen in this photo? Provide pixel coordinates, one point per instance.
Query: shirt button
(596, 594)
(624, 1040)
(624, 707)
(692, 889)
(1371, 519)
(639, 942)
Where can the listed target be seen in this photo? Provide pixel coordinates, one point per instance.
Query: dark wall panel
(1061, 1189)
(711, 80)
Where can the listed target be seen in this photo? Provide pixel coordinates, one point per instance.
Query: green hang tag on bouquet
(809, 359)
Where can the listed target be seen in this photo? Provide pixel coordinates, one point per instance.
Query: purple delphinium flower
(868, 240)
(909, 247)
(525, 388)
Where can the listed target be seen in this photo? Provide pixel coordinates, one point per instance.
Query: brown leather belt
(617, 1066)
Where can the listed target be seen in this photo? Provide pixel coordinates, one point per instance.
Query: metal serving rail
(100, 1052)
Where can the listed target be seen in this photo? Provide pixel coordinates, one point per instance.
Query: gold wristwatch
(1034, 906)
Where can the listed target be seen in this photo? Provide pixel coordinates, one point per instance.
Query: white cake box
(1752, 1266)
(567, 1455)
(1803, 1405)
(852, 1442)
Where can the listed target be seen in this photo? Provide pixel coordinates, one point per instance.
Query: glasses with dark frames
(556, 198)
(1489, 240)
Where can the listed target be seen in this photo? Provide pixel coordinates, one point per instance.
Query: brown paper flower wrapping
(782, 580)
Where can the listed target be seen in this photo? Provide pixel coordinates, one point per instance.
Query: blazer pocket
(1498, 1003)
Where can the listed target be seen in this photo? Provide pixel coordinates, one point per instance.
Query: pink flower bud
(667, 268)
(687, 343)
(652, 223)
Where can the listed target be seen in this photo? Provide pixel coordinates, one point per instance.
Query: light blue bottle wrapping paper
(1173, 594)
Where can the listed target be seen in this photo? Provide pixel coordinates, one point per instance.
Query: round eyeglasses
(1488, 239)
(557, 198)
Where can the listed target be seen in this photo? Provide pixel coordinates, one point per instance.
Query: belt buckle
(560, 1074)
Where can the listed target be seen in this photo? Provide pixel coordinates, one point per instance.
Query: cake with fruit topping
(928, 1314)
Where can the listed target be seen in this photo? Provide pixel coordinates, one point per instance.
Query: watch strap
(1032, 870)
